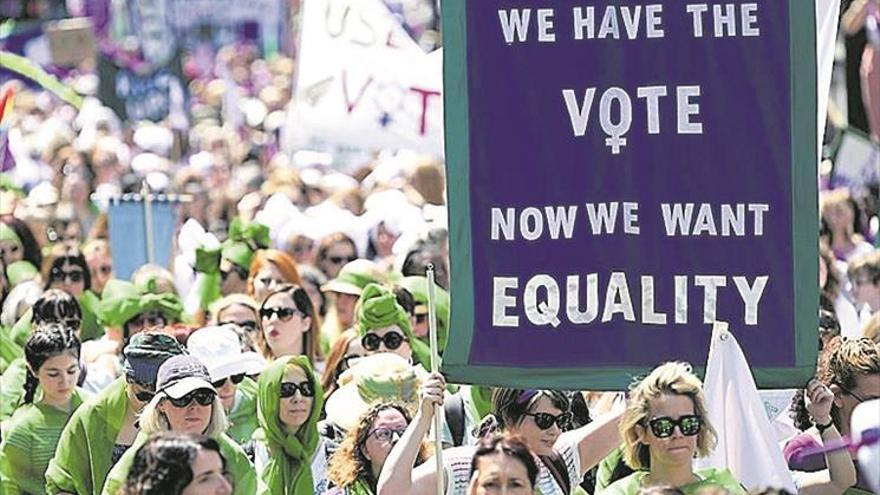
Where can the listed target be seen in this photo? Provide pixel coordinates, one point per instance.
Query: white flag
(363, 82)
(746, 440)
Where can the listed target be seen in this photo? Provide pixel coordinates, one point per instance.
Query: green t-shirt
(721, 478)
(29, 442)
(12, 387)
(83, 457)
(241, 471)
(243, 417)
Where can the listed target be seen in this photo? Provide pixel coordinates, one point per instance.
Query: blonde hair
(674, 378)
(218, 306)
(153, 421)
(871, 330)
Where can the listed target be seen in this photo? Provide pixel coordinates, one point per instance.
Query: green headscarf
(19, 271)
(289, 470)
(122, 301)
(8, 234)
(378, 308)
(244, 240)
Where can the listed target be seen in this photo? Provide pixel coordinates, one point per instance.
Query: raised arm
(841, 473)
(597, 439)
(398, 476)
(853, 19)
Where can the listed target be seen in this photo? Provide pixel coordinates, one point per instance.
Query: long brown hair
(281, 260)
(349, 463)
(332, 368)
(311, 338)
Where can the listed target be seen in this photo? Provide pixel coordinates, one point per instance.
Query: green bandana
(20, 271)
(378, 308)
(122, 301)
(7, 234)
(482, 398)
(244, 240)
(288, 471)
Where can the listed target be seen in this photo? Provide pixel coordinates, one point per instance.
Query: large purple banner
(628, 174)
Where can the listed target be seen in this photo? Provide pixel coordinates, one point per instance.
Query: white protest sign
(363, 82)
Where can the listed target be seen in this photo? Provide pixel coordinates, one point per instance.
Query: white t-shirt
(319, 464)
(458, 468)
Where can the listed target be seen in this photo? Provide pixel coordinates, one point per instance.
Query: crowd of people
(284, 350)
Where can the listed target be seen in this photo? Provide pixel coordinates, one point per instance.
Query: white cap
(220, 350)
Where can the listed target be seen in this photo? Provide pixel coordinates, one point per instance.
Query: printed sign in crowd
(605, 214)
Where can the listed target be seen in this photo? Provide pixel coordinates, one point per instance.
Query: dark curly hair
(163, 465)
(511, 446)
(32, 251)
(47, 341)
(57, 306)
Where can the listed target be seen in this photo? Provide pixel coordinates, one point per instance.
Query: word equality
(631, 22)
(541, 299)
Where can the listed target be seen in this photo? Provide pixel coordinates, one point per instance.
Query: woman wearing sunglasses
(289, 326)
(664, 427)
(219, 349)
(102, 429)
(291, 458)
(354, 468)
(538, 417)
(186, 402)
(346, 351)
(384, 326)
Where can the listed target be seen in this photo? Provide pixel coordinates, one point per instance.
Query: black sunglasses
(288, 389)
(248, 325)
(338, 260)
(284, 314)
(688, 425)
(236, 379)
(203, 397)
(392, 341)
(148, 319)
(59, 275)
(143, 395)
(545, 420)
(240, 271)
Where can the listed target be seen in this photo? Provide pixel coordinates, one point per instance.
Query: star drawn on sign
(385, 119)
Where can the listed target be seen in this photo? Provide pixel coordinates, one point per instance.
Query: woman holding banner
(537, 416)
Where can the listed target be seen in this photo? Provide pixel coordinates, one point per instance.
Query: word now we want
(679, 219)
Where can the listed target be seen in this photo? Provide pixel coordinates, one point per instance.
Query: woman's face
(69, 278)
(58, 377)
(238, 314)
(303, 250)
(337, 256)
(538, 440)
(674, 450)
(500, 474)
(384, 240)
(208, 478)
(284, 337)
(839, 216)
(11, 252)
(386, 429)
(266, 280)
(191, 418)
(234, 278)
(101, 269)
(294, 411)
(385, 336)
(345, 304)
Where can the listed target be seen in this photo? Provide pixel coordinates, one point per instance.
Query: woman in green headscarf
(384, 326)
(125, 306)
(291, 458)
